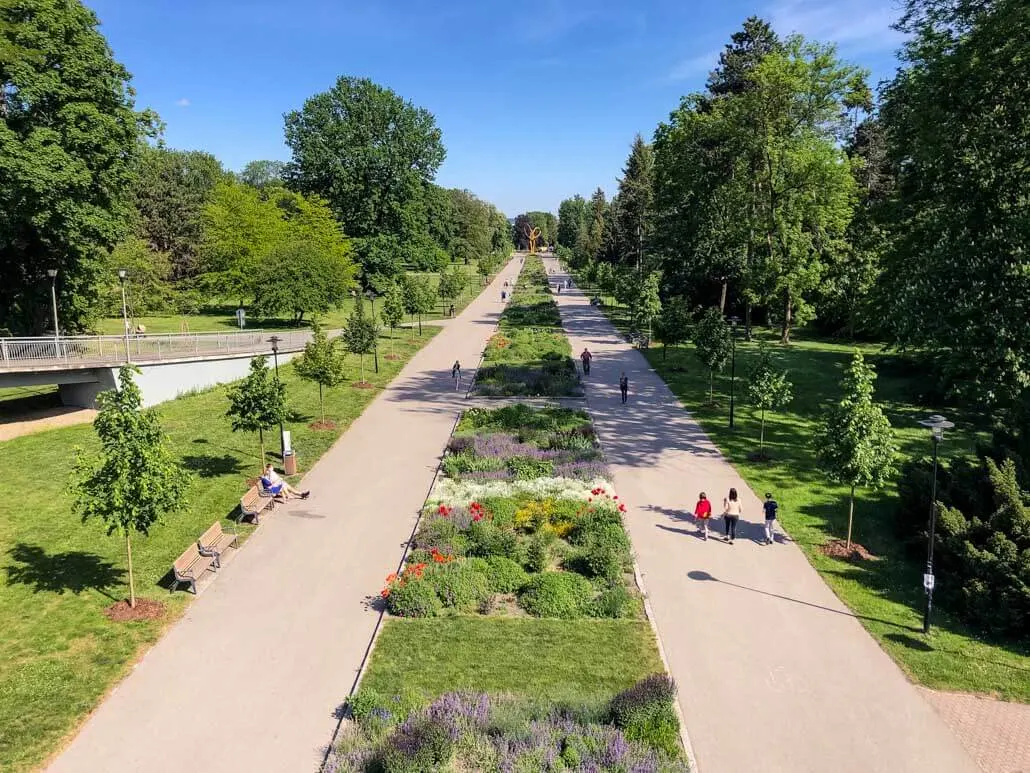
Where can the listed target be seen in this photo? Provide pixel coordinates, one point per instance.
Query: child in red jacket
(702, 512)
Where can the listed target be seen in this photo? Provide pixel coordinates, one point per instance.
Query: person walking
(456, 375)
(770, 506)
(624, 387)
(702, 513)
(731, 512)
(504, 296)
(586, 357)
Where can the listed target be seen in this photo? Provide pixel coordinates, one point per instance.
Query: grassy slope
(219, 318)
(887, 594)
(59, 654)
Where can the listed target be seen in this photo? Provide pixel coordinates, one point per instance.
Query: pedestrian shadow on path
(703, 576)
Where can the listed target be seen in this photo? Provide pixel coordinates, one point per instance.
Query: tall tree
(321, 362)
(571, 215)
(745, 51)
(296, 277)
(170, 193)
(596, 211)
(69, 138)
(646, 304)
(856, 446)
(365, 150)
(135, 479)
(955, 281)
(636, 204)
(520, 230)
(263, 174)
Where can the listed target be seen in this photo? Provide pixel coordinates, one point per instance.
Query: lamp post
(733, 363)
(937, 424)
(122, 274)
(274, 341)
(371, 295)
(52, 273)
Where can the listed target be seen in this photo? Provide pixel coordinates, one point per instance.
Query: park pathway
(251, 677)
(775, 674)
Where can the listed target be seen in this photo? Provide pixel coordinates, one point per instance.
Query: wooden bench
(190, 566)
(255, 502)
(214, 542)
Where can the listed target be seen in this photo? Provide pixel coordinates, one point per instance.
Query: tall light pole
(274, 341)
(122, 274)
(937, 425)
(52, 273)
(733, 363)
(371, 294)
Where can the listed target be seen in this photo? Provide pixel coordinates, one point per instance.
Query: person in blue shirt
(770, 508)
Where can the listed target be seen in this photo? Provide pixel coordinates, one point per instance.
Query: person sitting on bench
(277, 487)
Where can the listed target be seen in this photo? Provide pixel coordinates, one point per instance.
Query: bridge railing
(142, 348)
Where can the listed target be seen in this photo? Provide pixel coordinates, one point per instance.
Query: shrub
(599, 519)
(414, 598)
(505, 575)
(460, 585)
(556, 594)
(419, 744)
(440, 533)
(538, 554)
(524, 468)
(486, 539)
(651, 690)
(658, 727)
(503, 510)
(616, 602)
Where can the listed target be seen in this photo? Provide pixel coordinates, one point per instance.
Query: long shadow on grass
(213, 466)
(702, 576)
(74, 571)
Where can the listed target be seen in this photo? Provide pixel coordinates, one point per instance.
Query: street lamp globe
(122, 273)
(52, 273)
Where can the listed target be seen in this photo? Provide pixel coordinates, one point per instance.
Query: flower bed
(636, 731)
(529, 355)
(523, 521)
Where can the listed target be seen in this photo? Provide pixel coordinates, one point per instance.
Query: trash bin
(290, 463)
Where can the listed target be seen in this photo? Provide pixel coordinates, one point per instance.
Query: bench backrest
(189, 555)
(210, 537)
(251, 498)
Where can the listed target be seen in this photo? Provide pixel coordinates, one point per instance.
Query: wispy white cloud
(862, 26)
(182, 102)
(686, 69)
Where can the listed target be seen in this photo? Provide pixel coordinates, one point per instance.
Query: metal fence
(22, 352)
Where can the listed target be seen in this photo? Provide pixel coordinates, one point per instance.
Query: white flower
(452, 493)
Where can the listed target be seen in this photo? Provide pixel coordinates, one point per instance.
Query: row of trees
(84, 190)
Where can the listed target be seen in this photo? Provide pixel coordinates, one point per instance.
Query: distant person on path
(451, 312)
(624, 387)
(276, 486)
(702, 512)
(770, 506)
(504, 296)
(731, 514)
(586, 357)
(456, 374)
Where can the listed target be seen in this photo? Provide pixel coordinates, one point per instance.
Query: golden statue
(534, 234)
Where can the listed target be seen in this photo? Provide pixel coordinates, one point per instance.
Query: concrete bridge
(170, 365)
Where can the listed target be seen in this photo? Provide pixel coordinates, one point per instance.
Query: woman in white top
(731, 512)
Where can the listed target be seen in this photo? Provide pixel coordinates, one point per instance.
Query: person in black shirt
(624, 387)
(770, 508)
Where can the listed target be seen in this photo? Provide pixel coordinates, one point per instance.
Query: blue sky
(536, 100)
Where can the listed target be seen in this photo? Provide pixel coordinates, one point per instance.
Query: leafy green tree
(596, 211)
(258, 402)
(321, 362)
(419, 296)
(172, 188)
(134, 480)
(367, 151)
(263, 174)
(147, 288)
(380, 258)
(673, 325)
(955, 282)
(712, 345)
(453, 282)
(738, 60)
(571, 215)
(856, 445)
(636, 204)
(69, 139)
(606, 278)
(767, 389)
(520, 231)
(392, 312)
(296, 277)
(240, 227)
(647, 304)
(487, 265)
(360, 335)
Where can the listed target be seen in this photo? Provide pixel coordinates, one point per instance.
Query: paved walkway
(774, 672)
(250, 678)
(996, 733)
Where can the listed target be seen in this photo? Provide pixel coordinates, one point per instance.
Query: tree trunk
(420, 325)
(761, 436)
(785, 337)
(321, 403)
(361, 368)
(132, 581)
(261, 441)
(851, 516)
(665, 351)
(747, 320)
(711, 386)
(722, 296)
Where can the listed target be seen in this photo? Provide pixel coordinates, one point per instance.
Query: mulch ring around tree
(145, 609)
(363, 385)
(392, 357)
(837, 548)
(322, 425)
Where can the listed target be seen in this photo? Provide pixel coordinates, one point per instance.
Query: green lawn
(887, 594)
(580, 660)
(218, 317)
(60, 654)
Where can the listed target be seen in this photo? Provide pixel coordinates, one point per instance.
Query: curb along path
(774, 672)
(251, 677)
